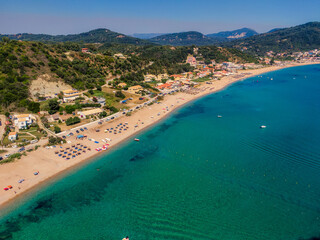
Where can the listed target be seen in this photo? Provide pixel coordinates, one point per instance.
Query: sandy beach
(48, 163)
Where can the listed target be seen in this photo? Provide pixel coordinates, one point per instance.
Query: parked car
(85, 128)
(81, 129)
(21, 149)
(77, 131)
(64, 137)
(1, 158)
(7, 155)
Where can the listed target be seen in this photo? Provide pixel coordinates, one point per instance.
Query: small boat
(219, 116)
(137, 139)
(263, 126)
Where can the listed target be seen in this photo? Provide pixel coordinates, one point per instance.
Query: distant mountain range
(147, 35)
(302, 37)
(100, 35)
(298, 38)
(197, 38)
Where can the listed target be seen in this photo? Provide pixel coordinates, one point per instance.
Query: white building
(70, 95)
(23, 121)
(12, 136)
(91, 112)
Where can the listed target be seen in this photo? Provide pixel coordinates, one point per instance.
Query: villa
(70, 95)
(23, 121)
(122, 85)
(135, 89)
(91, 112)
(13, 136)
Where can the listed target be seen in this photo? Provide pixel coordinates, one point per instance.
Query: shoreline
(51, 167)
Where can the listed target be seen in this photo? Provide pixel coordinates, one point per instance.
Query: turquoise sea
(196, 176)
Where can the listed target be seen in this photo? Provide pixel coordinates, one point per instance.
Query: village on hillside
(70, 108)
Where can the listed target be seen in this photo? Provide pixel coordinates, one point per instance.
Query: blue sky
(147, 16)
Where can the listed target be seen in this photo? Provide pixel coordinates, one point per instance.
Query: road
(3, 125)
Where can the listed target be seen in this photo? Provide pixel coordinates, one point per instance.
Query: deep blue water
(196, 176)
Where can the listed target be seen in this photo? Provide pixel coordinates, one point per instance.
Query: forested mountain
(299, 38)
(100, 35)
(183, 39)
(274, 29)
(236, 34)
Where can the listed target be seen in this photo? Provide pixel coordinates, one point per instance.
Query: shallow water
(196, 176)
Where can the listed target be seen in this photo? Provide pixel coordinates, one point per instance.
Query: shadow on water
(68, 200)
(162, 128)
(191, 110)
(144, 153)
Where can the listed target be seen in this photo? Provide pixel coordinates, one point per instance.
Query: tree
(91, 92)
(103, 114)
(164, 80)
(34, 107)
(7, 114)
(99, 88)
(70, 108)
(57, 129)
(55, 140)
(160, 98)
(71, 121)
(120, 94)
(113, 109)
(53, 106)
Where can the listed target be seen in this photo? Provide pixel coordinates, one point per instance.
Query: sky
(148, 16)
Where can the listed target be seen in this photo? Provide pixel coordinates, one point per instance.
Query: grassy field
(33, 131)
(204, 79)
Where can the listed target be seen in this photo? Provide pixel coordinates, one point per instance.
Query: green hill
(100, 35)
(236, 34)
(299, 38)
(22, 62)
(183, 39)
